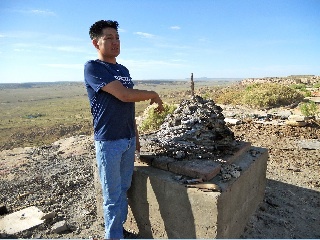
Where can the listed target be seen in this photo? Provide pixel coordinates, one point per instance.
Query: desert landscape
(47, 153)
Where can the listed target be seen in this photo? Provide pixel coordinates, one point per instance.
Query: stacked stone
(196, 130)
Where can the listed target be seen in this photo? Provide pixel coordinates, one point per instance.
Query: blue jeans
(115, 161)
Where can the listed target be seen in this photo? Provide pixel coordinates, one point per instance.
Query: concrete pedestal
(162, 207)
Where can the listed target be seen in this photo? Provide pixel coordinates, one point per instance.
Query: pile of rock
(196, 130)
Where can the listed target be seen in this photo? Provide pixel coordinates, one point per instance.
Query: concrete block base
(162, 207)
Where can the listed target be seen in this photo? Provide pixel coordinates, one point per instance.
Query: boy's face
(108, 44)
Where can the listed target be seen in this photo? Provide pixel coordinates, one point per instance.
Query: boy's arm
(133, 95)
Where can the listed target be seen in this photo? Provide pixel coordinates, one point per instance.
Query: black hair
(97, 27)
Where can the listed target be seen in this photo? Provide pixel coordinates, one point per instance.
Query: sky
(48, 40)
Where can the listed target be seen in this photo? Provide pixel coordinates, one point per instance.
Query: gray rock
(297, 118)
(3, 209)
(283, 114)
(60, 227)
(232, 121)
(310, 144)
(48, 215)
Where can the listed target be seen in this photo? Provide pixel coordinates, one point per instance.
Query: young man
(112, 97)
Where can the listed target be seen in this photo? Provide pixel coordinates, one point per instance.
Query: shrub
(152, 120)
(36, 115)
(300, 86)
(230, 96)
(270, 95)
(307, 93)
(309, 109)
(260, 95)
(205, 95)
(317, 85)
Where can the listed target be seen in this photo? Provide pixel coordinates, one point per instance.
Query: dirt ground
(291, 208)
(58, 178)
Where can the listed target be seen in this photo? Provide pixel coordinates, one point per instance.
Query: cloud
(145, 35)
(175, 27)
(69, 49)
(21, 50)
(203, 39)
(65, 66)
(150, 63)
(153, 69)
(34, 12)
(42, 12)
(36, 47)
(21, 34)
(38, 35)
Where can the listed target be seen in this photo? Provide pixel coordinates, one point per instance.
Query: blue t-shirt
(112, 118)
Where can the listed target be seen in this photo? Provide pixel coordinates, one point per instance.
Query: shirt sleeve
(97, 75)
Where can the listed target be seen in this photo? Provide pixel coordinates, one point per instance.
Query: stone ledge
(197, 168)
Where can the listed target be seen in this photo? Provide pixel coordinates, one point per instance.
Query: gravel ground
(58, 178)
(291, 208)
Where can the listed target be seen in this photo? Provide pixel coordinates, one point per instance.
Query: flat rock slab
(196, 168)
(297, 118)
(309, 144)
(21, 220)
(205, 169)
(296, 123)
(314, 99)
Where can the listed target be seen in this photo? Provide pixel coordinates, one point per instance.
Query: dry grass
(36, 114)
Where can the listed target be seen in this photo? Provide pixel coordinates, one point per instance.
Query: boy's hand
(159, 102)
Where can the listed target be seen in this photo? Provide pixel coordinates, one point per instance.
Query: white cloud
(70, 49)
(40, 36)
(154, 69)
(21, 50)
(42, 12)
(175, 27)
(146, 63)
(150, 68)
(65, 66)
(36, 47)
(204, 39)
(35, 12)
(145, 35)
